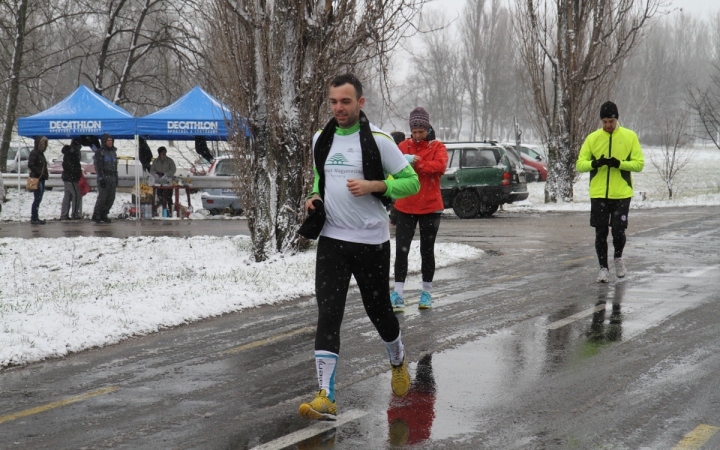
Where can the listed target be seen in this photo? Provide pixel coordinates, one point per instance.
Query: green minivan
(480, 177)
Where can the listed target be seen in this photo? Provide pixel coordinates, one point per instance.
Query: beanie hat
(609, 110)
(419, 118)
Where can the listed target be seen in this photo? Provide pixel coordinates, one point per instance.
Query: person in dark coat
(72, 171)
(146, 156)
(105, 161)
(37, 168)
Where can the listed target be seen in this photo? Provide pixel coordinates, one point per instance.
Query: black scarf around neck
(371, 160)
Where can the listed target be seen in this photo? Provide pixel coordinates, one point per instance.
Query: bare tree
(675, 53)
(272, 61)
(435, 80)
(674, 155)
(29, 53)
(148, 52)
(488, 67)
(572, 50)
(704, 98)
(473, 33)
(705, 103)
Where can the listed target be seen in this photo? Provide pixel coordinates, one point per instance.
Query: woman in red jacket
(429, 159)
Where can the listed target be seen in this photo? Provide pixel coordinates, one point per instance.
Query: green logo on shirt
(338, 159)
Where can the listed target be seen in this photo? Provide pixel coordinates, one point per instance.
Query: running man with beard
(352, 161)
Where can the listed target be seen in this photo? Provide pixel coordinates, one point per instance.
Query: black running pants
(370, 265)
(601, 245)
(605, 213)
(404, 233)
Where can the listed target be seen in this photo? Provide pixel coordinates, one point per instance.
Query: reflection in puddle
(602, 334)
(410, 418)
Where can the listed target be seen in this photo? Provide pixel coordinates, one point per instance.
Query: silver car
(12, 158)
(219, 201)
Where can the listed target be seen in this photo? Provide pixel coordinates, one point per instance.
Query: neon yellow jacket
(606, 181)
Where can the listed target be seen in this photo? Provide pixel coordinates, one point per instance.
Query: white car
(12, 158)
(219, 201)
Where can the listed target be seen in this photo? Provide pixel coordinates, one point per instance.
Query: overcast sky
(692, 6)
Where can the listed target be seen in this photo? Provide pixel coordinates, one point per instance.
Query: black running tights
(404, 233)
(601, 246)
(370, 265)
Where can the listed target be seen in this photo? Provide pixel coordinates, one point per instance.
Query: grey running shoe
(603, 275)
(620, 270)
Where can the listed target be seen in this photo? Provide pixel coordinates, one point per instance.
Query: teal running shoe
(425, 300)
(397, 302)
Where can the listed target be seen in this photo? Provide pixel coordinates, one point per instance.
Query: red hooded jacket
(432, 164)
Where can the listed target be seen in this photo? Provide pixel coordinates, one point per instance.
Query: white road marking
(574, 317)
(701, 272)
(313, 430)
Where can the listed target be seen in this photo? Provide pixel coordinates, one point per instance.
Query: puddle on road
(472, 383)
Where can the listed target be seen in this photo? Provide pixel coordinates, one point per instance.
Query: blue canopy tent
(196, 113)
(81, 113)
(196, 116)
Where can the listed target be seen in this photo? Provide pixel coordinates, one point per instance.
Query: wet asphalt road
(522, 350)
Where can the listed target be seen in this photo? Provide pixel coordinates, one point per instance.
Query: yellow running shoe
(400, 378)
(321, 408)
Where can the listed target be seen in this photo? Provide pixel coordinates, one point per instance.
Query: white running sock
(325, 363)
(427, 286)
(399, 287)
(396, 350)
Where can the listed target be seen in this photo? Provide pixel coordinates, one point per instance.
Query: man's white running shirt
(356, 219)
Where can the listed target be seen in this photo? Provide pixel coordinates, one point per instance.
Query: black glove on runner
(102, 184)
(613, 162)
(600, 162)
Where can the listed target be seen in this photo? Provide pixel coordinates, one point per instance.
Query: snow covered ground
(69, 294)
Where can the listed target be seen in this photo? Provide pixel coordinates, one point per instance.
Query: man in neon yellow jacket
(610, 154)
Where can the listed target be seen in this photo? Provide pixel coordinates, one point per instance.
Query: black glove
(600, 162)
(613, 162)
(313, 224)
(102, 184)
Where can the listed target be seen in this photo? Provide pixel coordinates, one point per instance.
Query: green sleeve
(584, 161)
(636, 161)
(316, 184)
(403, 184)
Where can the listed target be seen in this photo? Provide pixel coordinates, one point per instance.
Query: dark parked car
(480, 177)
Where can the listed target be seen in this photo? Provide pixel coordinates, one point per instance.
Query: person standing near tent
(428, 157)
(163, 166)
(352, 159)
(37, 168)
(105, 161)
(72, 171)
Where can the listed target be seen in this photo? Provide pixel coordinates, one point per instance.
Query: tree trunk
(14, 84)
